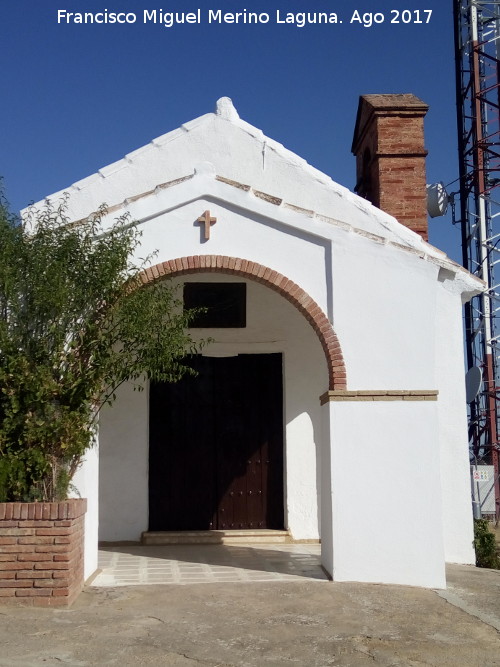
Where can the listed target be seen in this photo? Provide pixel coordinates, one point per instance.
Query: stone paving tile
(178, 564)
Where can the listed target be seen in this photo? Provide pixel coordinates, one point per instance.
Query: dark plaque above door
(225, 304)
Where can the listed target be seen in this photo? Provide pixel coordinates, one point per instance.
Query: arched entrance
(275, 281)
(228, 468)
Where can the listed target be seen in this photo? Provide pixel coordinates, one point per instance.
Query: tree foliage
(75, 323)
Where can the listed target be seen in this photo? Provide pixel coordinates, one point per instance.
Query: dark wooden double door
(216, 446)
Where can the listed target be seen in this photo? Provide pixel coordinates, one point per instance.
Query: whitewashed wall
(86, 485)
(246, 227)
(455, 469)
(384, 314)
(409, 336)
(385, 493)
(386, 500)
(123, 467)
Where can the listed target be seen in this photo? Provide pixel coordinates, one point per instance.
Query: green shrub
(76, 322)
(485, 545)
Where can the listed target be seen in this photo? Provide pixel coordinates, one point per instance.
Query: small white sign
(480, 475)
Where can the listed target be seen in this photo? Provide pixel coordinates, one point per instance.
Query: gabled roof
(239, 152)
(239, 155)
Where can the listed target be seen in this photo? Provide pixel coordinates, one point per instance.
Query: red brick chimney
(390, 157)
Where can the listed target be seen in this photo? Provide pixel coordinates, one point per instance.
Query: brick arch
(275, 281)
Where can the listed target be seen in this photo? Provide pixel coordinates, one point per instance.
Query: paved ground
(183, 564)
(306, 622)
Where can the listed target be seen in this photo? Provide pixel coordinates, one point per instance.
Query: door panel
(216, 446)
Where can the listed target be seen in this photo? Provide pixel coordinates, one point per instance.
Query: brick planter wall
(41, 552)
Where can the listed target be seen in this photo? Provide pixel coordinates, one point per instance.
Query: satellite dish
(473, 381)
(437, 200)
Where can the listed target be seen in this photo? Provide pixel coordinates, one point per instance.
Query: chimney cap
(384, 104)
(394, 101)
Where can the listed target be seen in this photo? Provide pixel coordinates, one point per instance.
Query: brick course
(41, 562)
(275, 281)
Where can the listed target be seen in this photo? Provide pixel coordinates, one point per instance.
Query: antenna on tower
(477, 33)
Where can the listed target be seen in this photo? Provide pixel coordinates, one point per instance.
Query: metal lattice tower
(477, 43)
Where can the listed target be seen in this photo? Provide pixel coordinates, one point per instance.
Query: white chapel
(331, 402)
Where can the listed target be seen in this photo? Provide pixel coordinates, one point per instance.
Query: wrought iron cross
(207, 221)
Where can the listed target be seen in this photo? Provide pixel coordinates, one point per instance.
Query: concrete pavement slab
(259, 624)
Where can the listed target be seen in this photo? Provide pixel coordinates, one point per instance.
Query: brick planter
(41, 552)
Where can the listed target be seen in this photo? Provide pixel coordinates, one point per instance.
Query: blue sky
(77, 97)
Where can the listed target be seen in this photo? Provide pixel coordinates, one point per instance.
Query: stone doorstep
(229, 537)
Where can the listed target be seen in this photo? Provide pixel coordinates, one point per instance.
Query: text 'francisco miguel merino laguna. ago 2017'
(217, 16)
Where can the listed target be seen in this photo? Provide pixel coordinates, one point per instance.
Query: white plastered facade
(382, 481)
